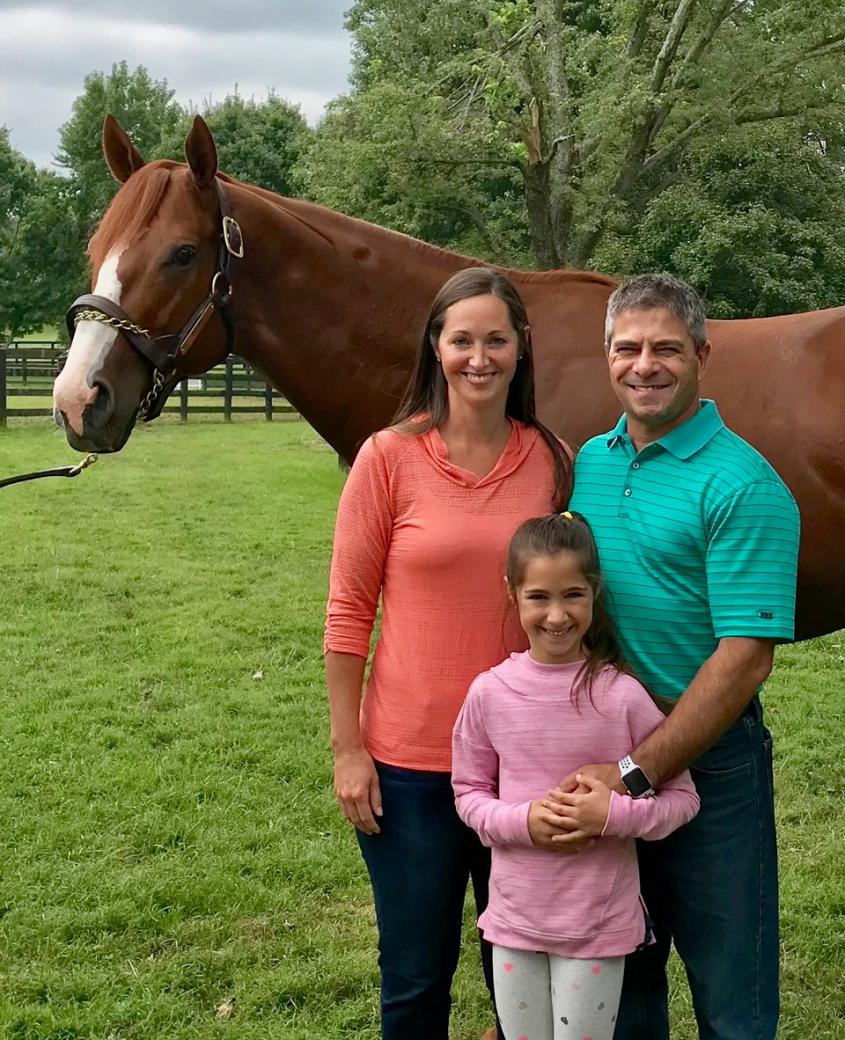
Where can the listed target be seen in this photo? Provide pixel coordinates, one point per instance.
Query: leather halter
(163, 352)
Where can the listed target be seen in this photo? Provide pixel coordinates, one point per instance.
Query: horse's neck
(319, 302)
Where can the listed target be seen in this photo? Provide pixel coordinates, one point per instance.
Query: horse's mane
(136, 203)
(315, 217)
(132, 209)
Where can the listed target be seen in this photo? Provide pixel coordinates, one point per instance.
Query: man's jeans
(419, 867)
(711, 887)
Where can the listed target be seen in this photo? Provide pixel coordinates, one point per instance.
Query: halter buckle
(233, 238)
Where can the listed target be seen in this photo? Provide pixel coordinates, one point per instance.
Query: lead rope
(63, 471)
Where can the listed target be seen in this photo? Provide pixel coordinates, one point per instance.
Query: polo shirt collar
(685, 440)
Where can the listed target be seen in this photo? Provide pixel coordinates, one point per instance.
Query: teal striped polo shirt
(698, 539)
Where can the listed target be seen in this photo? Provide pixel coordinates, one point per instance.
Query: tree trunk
(540, 222)
(586, 246)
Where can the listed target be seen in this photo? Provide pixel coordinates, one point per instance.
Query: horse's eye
(183, 256)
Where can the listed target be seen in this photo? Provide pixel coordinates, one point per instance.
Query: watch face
(637, 782)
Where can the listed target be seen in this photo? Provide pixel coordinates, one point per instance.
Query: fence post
(268, 402)
(183, 401)
(227, 389)
(2, 386)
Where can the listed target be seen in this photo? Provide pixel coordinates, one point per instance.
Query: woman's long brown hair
(426, 400)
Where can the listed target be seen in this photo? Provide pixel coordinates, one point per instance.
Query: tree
(41, 257)
(46, 219)
(388, 155)
(257, 142)
(17, 179)
(597, 106)
(757, 220)
(145, 109)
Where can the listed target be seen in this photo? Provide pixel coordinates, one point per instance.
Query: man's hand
(607, 772)
(584, 811)
(357, 789)
(549, 829)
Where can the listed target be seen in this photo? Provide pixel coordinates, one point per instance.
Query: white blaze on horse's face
(73, 390)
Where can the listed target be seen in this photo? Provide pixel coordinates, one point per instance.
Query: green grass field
(171, 841)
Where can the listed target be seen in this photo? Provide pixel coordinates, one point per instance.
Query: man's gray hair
(645, 291)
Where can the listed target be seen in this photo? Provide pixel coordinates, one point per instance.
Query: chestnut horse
(330, 309)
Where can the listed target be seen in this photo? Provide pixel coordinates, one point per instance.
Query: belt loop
(753, 714)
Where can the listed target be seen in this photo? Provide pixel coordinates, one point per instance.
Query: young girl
(560, 923)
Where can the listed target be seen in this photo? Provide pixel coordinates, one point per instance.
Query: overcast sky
(203, 48)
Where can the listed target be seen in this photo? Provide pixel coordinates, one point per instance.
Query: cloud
(313, 17)
(300, 50)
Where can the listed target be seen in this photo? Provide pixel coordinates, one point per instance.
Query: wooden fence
(28, 369)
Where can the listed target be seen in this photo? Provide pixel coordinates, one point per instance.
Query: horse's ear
(122, 157)
(201, 153)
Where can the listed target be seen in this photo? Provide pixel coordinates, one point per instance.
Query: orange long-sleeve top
(431, 539)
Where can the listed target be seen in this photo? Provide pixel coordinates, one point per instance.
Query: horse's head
(156, 262)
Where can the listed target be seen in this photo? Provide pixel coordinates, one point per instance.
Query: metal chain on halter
(126, 326)
(115, 323)
(152, 393)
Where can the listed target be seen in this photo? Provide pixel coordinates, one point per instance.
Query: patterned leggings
(540, 996)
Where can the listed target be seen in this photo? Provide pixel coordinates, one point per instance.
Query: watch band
(634, 778)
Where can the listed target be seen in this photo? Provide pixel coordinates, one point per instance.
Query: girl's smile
(555, 603)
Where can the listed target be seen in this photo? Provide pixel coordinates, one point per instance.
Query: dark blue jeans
(711, 888)
(419, 867)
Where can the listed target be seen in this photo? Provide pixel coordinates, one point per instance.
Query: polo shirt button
(635, 465)
(627, 492)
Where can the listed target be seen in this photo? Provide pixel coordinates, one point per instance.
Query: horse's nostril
(103, 406)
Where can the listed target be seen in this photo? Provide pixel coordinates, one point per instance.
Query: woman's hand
(356, 785)
(357, 790)
(584, 812)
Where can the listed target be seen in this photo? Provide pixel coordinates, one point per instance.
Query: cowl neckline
(521, 440)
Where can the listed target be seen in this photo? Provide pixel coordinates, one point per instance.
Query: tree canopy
(599, 115)
(257, 141)
(757, 219)
(706, 137)
(46, 219)
(41, 263)
(144, 107)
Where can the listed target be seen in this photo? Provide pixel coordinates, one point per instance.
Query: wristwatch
(634, 779)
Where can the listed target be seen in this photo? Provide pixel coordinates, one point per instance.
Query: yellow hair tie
(567, 515)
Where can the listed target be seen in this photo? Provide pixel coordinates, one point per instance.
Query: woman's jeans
(711, 887)
(419, 866)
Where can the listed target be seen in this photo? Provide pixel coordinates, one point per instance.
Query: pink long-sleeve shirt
(431, 539)
(518, 734)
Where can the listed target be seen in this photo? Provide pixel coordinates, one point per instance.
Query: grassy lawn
(171, 841)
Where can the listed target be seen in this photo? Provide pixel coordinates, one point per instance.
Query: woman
(424, 521)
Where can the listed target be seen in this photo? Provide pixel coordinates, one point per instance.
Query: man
(698, 538)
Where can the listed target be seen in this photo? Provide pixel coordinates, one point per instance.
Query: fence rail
(28, 370)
